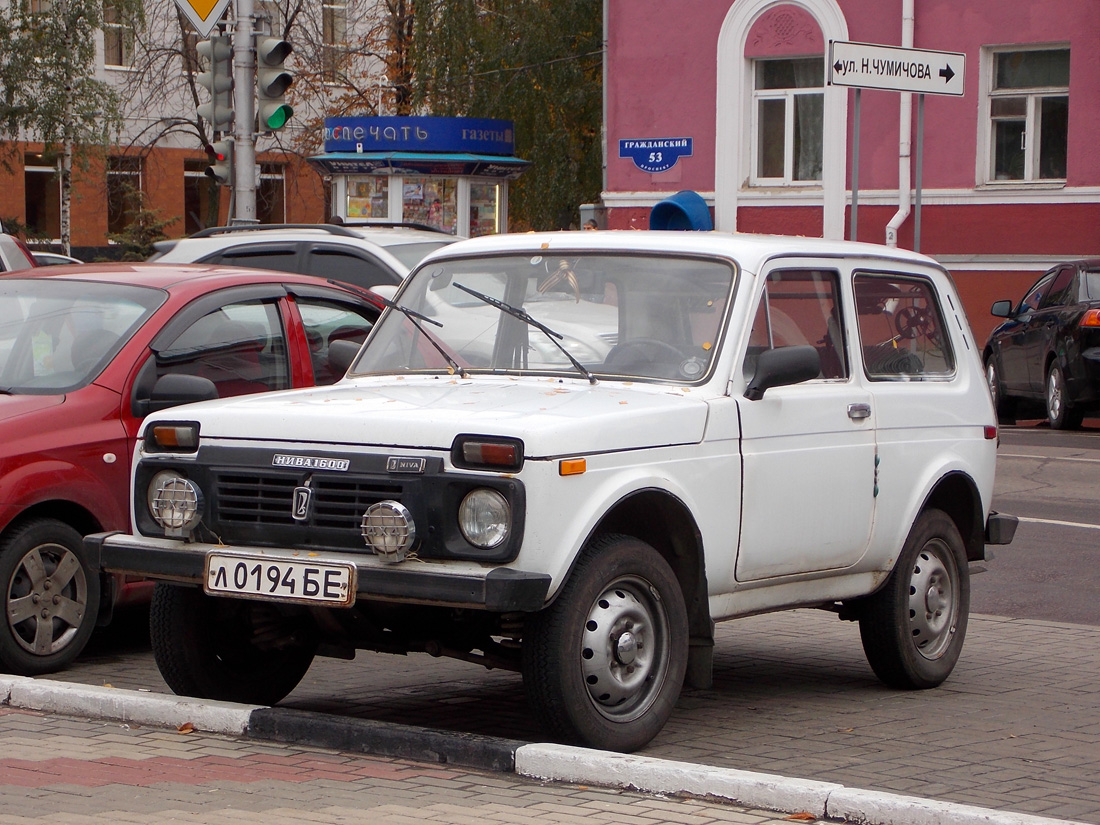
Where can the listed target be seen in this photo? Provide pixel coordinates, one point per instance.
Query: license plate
(282, 580)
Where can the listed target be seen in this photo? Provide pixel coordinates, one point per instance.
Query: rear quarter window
(902, 331)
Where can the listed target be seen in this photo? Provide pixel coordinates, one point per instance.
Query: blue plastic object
(684, 210)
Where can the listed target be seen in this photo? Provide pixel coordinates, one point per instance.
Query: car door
(1058, 308)
(808, 450)
(1020, 339)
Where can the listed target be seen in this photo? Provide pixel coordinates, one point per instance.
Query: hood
(551, 416)
(14, 406)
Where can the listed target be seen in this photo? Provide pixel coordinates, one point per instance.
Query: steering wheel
(912, 321)
(641, 353)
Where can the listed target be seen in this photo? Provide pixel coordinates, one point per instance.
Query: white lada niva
(569, 455)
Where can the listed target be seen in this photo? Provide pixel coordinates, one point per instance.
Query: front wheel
(51, 597)
(1059, 412)
(604, 664)
(227, 649)
(913, 628)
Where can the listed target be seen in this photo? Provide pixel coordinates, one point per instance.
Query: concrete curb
(560, 763)
(824, 800)
(153, 709)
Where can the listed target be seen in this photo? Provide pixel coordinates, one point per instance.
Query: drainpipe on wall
(905, 130)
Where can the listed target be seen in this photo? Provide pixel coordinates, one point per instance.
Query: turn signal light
(1091, 318)
(481, 453)
(174, 437)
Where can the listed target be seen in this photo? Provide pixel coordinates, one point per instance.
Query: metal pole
(920, 159)
(244, 106)
(855, 168)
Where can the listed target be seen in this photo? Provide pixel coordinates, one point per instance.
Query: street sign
(203, 14)
(921, 71)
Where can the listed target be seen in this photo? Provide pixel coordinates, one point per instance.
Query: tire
(604, 664)
(1060, 414)
(51, 597)
(206, 647)
(913, 628)
(1004, 406)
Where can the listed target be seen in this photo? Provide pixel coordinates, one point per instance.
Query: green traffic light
(277, 117)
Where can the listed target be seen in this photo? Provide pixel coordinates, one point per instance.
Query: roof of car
(750, 251)
(381, 234)
(168, 276)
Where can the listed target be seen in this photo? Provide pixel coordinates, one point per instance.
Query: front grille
(267, 500)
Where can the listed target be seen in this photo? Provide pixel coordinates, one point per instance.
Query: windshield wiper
(414, 319)
(516, 312)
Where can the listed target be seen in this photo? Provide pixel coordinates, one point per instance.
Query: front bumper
(499, 589)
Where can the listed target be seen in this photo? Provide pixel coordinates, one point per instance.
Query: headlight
(484, 518)
(388, 529)
(175, 502)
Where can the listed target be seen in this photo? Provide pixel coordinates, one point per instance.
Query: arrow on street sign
(203, 14)
(921, 71)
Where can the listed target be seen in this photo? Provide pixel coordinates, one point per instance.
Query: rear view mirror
(782, 366)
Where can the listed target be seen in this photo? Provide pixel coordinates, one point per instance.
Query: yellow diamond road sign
(203, 14)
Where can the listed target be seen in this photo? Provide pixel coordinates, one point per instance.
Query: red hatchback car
(85, 353)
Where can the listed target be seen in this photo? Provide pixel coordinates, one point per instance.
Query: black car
(1047, 351)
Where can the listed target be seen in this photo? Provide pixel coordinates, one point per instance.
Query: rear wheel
(913, 628)
(604, 664)
(51, 597)
(227, 649)
(1060, 414)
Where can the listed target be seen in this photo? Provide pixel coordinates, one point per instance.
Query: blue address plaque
(655, 154)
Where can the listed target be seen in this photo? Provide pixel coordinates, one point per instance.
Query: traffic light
(218, 79)
(221, 161)
(272, 81)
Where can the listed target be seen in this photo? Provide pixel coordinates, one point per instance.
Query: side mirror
(782, 366)
(175, 389)
(340, 356)
(1001, 309)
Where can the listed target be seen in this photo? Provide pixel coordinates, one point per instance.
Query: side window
(327, 322)
(281, 260)
(799, 307)
(1034, 296)
(349, 268)
(240, 347)
(901, 329)
(1061, 289)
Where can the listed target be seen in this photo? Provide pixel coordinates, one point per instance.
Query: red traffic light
(214, 154)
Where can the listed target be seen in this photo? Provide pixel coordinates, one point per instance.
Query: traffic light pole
(244, 154)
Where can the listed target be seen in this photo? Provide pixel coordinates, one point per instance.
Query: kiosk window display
(448, 173)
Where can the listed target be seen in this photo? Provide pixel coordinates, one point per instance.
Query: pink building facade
(732, 100)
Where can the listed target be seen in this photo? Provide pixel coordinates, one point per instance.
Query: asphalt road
(1051, 571)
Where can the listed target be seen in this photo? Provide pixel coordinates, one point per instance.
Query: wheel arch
(67, 512)
(957, 495)
(664, 521)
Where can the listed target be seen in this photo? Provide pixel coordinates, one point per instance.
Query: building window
(369, 197)
(118, 38)
(788, 113)
(43, 196)
(201, 197)
(1028, 115)
(270, 195)
(123, 192)
(334, 40)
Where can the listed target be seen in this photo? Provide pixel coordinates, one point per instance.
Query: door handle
(857, 412)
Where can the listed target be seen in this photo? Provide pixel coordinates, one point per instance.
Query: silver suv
(367, 256)
(13, 254)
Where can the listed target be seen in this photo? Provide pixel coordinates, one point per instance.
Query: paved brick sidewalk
(62, 770)
(1016, 727)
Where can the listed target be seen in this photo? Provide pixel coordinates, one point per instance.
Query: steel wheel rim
(1054, 395)
(47, 599)
(933, 599)
(624, 649)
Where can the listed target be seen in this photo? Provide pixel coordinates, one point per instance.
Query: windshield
(57, 335)
(613, 316)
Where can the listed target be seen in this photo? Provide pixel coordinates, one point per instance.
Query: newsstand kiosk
(450, 173)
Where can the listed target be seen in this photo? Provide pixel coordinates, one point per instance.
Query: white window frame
(986, 157)
(334, 49)
(120, 29)
(788, 96)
